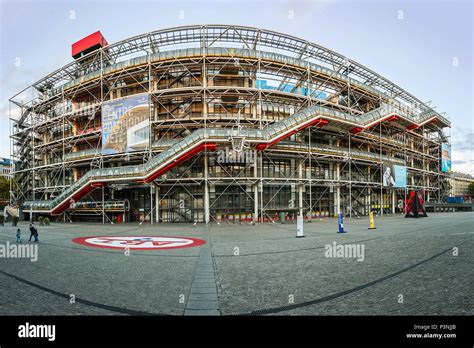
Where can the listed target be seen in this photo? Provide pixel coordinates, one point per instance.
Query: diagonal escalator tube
(207, 138)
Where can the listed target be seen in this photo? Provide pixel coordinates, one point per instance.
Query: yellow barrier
(371, 221)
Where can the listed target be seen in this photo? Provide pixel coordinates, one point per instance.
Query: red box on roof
(88, 44)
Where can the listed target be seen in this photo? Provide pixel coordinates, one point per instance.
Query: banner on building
(445, 157)
(125, 124)
(394, 175)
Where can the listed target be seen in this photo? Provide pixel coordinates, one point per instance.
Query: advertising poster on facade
(394, 175)
(445, 157)
(125, 124)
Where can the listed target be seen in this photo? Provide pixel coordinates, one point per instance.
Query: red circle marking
(138, 242)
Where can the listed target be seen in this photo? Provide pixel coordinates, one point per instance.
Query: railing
(91, 205)
(82, 154)
(342, 151)
(221, 51)
(164, 143)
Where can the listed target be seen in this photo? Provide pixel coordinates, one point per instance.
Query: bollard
(340, 221)
(299, 226)
(371, 221)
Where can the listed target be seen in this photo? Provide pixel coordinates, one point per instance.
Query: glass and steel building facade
(317, 130)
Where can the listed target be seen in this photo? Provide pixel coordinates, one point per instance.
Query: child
(18, 236)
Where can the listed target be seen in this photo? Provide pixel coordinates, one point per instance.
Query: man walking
(34, 233)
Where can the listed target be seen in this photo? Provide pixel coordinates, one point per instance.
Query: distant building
(460, 183)
(5, 167)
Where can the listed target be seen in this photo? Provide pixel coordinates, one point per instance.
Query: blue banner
(125, 124)
(394, 175)
(445, 157)
(400, 173)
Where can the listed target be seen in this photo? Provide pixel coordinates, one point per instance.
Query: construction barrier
(371, 221)
(299, 227)
(340, 222)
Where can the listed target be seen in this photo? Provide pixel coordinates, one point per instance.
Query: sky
(424, 46)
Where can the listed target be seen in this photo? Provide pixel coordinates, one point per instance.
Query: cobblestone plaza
(410, 267)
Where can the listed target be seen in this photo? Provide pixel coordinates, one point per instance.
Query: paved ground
(243, 268)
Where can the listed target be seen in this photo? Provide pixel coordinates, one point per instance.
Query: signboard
(139, 242)
(125, 124)
(394, 175)
(445, 157)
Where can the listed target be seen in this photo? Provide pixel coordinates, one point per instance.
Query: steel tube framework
(318, 128)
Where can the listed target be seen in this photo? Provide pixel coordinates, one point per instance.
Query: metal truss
(56, 124)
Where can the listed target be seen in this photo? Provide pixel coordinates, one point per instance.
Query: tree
(470, 189)
(4, 188)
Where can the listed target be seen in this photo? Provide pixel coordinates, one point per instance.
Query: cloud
(295, 13)
(459, 162)
(462, 143)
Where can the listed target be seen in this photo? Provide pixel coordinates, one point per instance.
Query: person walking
(33, 233)
(18, 236)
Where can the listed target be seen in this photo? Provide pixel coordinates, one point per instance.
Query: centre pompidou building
(219, 123)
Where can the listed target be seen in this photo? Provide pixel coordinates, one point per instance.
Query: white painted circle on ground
(139, 242)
